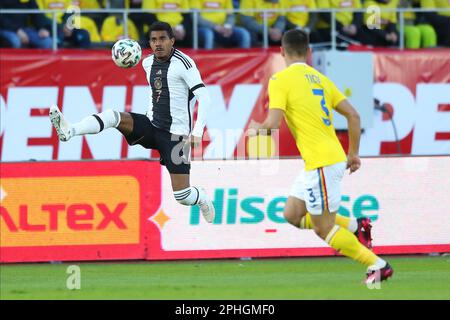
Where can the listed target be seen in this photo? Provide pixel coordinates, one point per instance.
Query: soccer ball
(126, 53)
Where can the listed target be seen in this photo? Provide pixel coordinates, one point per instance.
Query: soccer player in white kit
(175, 84)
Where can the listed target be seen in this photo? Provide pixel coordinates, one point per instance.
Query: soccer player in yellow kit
(305, 97)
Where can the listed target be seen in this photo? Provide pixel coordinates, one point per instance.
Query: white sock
(97, 122)
(353, 225)
(189, 196)
(380, 263)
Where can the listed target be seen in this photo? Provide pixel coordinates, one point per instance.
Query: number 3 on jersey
(319, 92)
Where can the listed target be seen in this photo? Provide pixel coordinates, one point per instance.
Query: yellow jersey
(215, 17)
(345, 18)
(386, 17)
(113, 29)
(88, 4)
(306, 96)
(299, 18)
(54, 5)
(262, 5)
(428, 4)
(172, 18)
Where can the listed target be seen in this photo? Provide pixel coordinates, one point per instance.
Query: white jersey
(172, 84)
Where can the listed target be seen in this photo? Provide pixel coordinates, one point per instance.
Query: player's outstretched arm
(272, 121)
(354, 132)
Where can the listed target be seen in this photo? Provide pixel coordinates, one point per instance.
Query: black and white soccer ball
(126, 53)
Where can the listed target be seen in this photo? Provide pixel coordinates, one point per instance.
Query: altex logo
(251, 210)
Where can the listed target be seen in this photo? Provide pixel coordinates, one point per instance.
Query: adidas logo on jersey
(159, 72)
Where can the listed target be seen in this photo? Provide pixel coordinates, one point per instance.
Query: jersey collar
(300, 63)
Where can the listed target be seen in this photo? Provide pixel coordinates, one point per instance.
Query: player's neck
(291, 60)
(164, 59)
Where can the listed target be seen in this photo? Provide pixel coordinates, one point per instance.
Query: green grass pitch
(415, 277)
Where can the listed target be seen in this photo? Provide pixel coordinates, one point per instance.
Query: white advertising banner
(359, 90)
(408, 200)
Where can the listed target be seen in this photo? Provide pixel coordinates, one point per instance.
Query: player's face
(161, 44)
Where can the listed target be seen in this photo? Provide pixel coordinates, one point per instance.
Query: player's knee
(292, 217)
(126, 123)
(294, 211)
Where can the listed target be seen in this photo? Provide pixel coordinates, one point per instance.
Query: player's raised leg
(175, 155)
(190, 195)
(90, 125)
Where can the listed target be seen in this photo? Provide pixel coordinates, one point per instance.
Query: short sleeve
(148, 4)
(195, 4)
(247, 4)
(277, 94)
(427, 4)
(323, 4)
(336, 95)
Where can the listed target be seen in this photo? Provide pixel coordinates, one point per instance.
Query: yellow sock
(342, 221)
(346, 243)
(306, 223)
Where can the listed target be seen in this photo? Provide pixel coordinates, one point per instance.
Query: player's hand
(353, 162)
(253, 128)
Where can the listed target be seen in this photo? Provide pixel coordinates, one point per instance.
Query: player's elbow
(351, 114)
(206, 99)
(202, 95)
(273, 121)
(271, 124)
(354, 116)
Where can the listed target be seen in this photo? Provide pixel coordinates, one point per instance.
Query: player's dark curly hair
(295, 42)
(162, 26)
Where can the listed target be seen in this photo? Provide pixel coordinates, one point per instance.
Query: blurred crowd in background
(222, 29)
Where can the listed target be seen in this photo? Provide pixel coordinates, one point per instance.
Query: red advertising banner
(76, 210)
(414, 85)
(83, 82)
